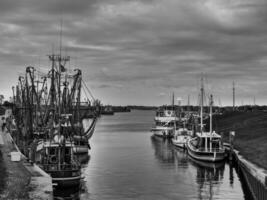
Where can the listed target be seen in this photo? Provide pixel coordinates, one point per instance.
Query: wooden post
(231, 141)
(222, 135)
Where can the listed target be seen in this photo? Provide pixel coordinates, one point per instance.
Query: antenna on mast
(172, 100)
(60, 37)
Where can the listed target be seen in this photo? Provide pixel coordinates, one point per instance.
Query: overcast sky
(140, 51)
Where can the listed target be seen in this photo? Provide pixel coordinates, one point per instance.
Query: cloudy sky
(139, 51)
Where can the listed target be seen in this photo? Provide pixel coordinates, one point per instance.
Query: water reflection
(72, 193)
(209, 178)
(181, 158)
(127, 163)
(163, 150)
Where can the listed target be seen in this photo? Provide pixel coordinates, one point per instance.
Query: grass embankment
(251, 133)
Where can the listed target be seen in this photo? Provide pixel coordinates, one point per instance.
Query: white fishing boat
(206, 146)
(181, 136)
(165, 121)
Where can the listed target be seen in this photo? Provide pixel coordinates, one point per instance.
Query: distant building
(4, 114)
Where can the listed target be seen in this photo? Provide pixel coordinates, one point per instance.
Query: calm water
(126, 162)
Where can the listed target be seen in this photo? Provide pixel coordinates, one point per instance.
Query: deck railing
(60, 167)
(203, 149)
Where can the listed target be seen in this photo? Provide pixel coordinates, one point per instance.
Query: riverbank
(250, 133)
(22, 180)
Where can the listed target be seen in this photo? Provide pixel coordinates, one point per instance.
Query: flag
(62, 68)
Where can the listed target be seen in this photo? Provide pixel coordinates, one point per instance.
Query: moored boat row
(48, 126)
(201, 145)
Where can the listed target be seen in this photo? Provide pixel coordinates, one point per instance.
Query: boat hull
(66, 181)
(204, 155)
(180, 141)
(64, 178)
(179, 144)
(163, 132)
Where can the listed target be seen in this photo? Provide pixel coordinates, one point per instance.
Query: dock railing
(255, 177)
(59, 167)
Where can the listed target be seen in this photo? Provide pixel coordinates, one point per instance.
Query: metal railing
(60, 167)
(203, 149)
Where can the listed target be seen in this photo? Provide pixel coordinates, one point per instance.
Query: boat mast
(211, 104)
(188, 102)
(173, 100)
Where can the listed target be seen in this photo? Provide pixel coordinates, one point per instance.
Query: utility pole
(233, 95)
(188, 103)
(188, 100)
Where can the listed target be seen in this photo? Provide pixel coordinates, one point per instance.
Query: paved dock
(23, 180)
(1, 140)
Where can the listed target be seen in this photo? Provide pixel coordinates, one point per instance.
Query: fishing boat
(58, 161)
(181, 136)
(206, 146)
(165, 121)
(48, 120)
(83, 116)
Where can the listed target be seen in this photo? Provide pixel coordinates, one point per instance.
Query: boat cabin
(209, 142)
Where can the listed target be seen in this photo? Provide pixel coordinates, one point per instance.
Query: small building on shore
(5, 113)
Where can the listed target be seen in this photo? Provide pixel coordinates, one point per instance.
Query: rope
(88, 90)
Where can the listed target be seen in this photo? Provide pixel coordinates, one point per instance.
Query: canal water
(126, 162)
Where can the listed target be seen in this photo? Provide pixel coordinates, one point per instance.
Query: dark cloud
(140, 49)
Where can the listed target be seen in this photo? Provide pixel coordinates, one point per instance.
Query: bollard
(231, 141)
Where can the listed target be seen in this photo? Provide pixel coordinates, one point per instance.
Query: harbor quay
(22, 179)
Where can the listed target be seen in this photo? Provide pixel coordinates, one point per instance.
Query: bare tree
(1, 99)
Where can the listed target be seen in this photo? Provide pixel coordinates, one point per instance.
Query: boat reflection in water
(126, 163)
(72, 193)
(163, 149)
(196, 179)
(181, 158)
(209, 177)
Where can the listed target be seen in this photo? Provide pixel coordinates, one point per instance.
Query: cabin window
(208, 143)
(216, 145)
(67, 151)
(52, 151)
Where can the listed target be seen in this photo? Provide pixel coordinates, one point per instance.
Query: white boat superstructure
(165, 122)
(181, 136)
(166, 115)
(206, 146)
